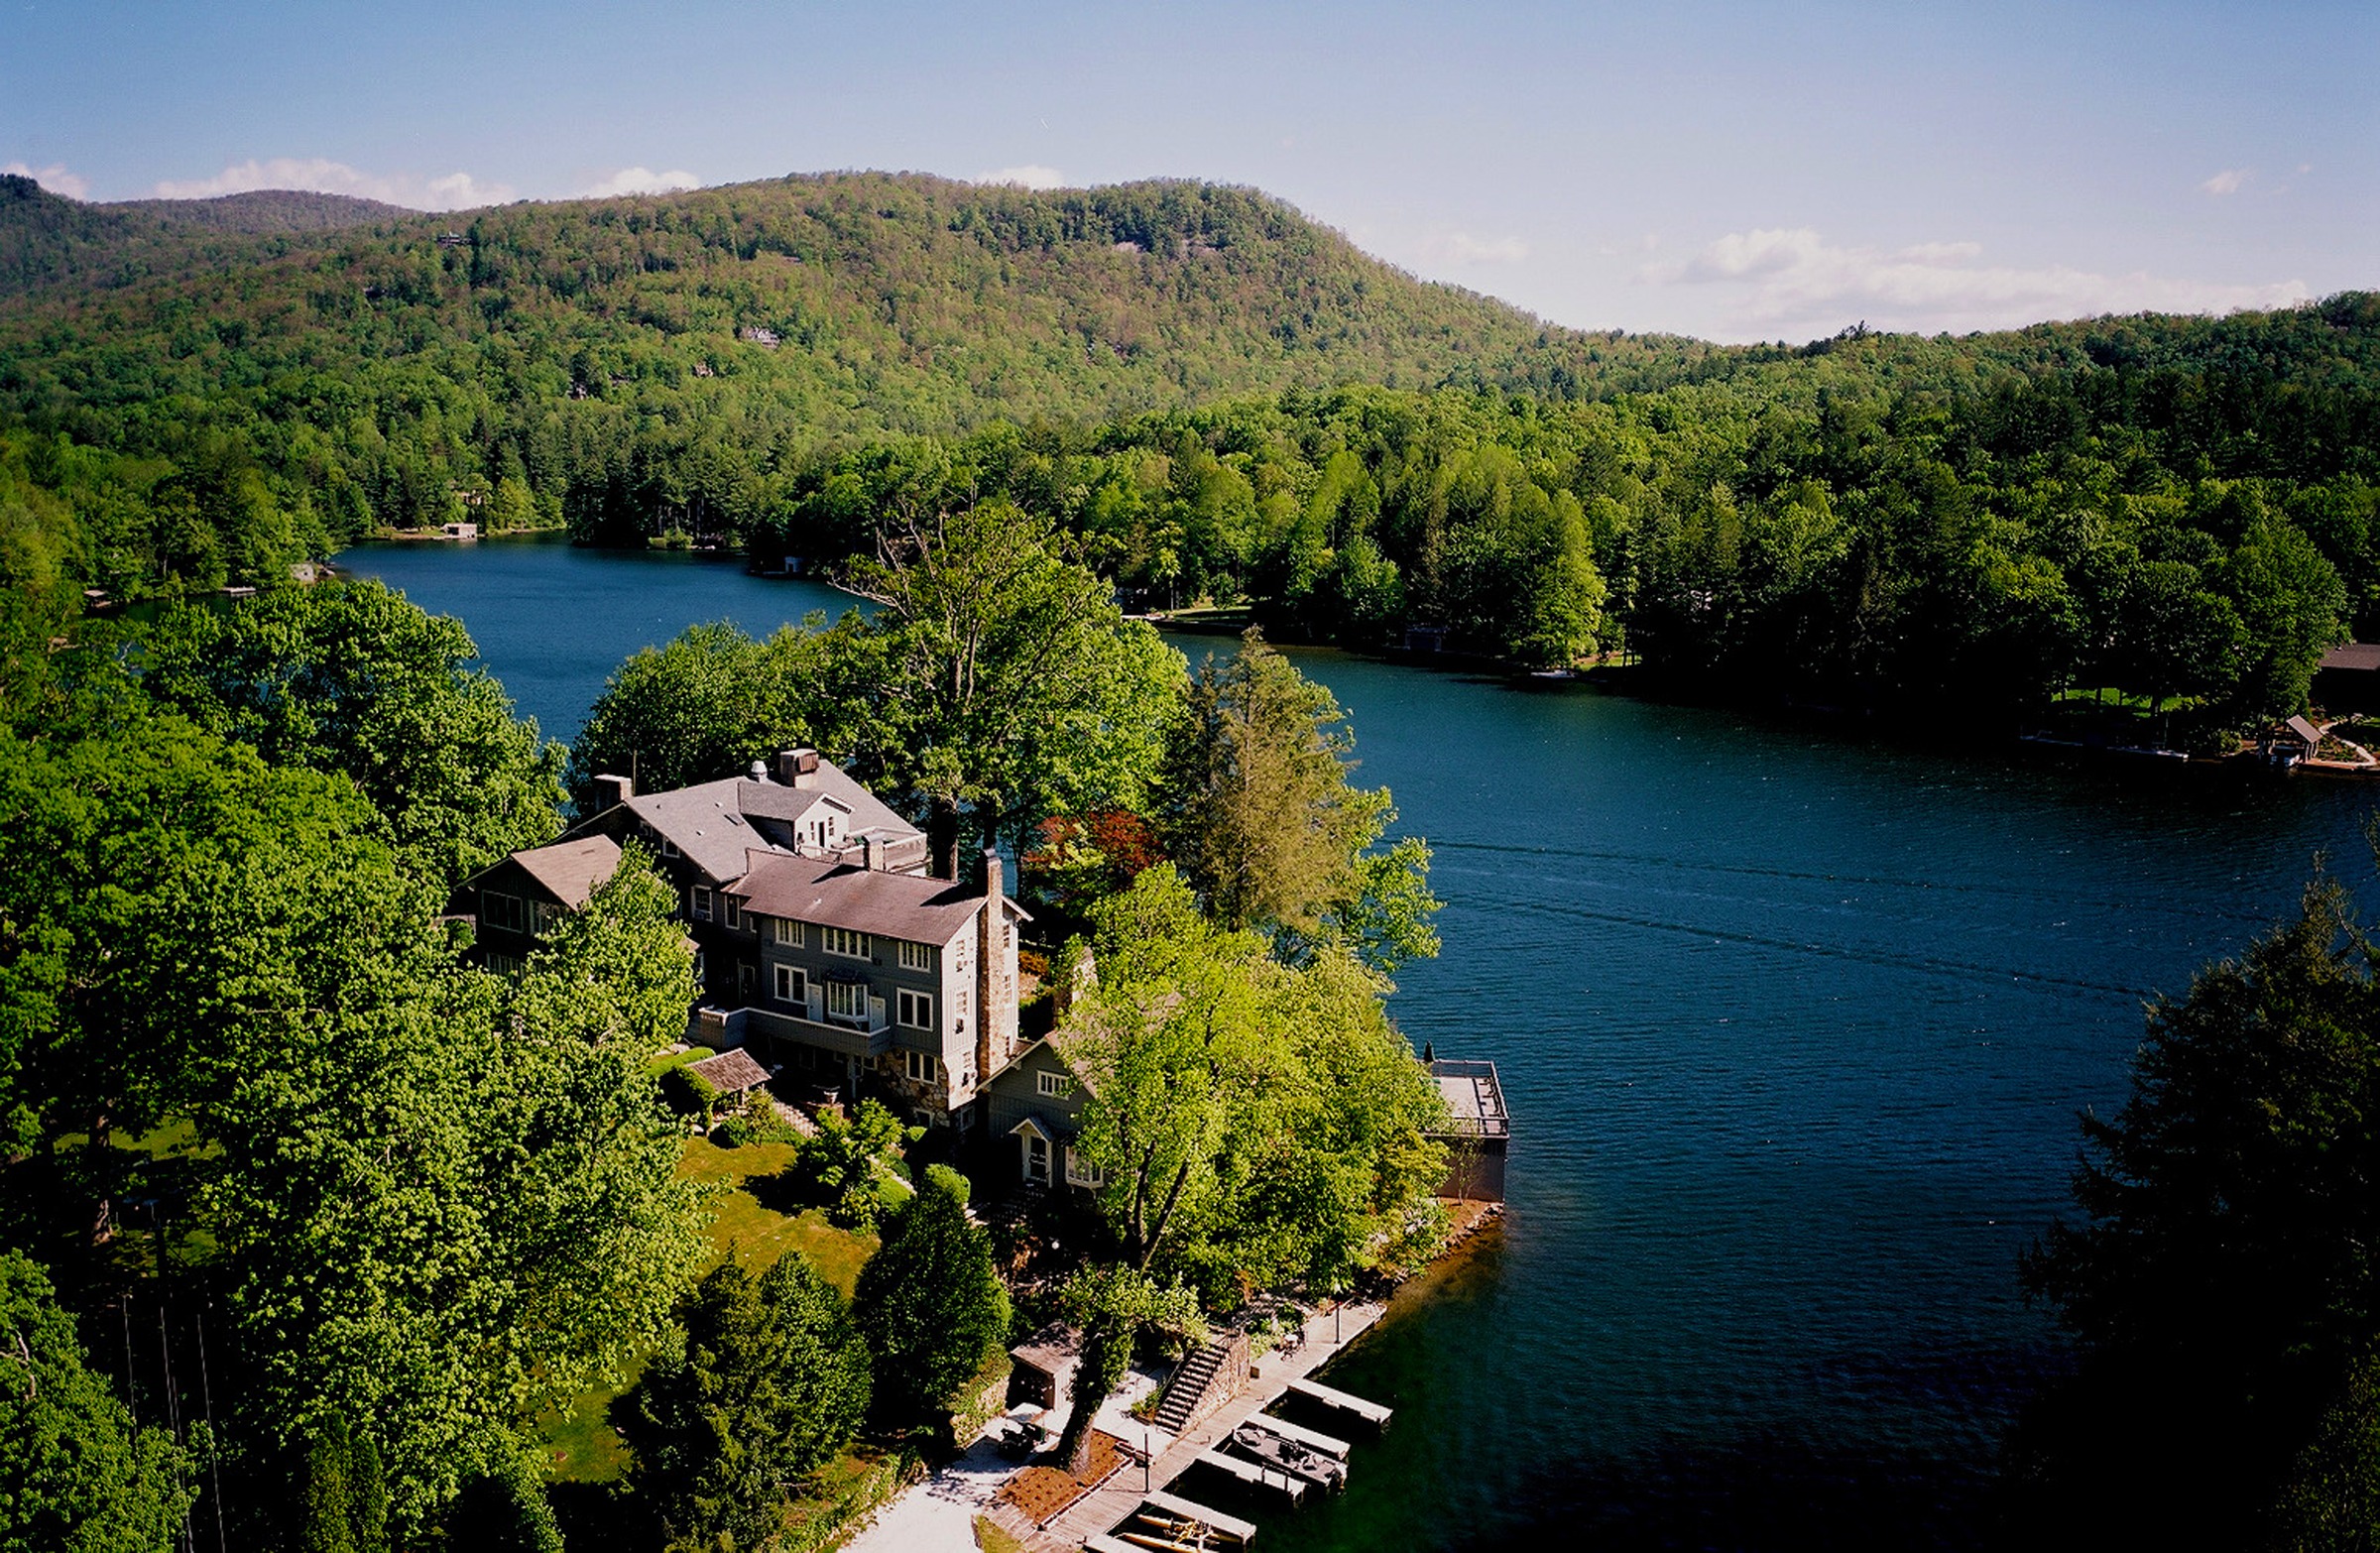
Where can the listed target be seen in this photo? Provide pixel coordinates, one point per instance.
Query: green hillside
(1219, 400)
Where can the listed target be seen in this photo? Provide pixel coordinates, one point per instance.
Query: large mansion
(822, 943)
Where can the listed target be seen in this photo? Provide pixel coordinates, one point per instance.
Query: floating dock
(1311, 1439)
(1370, 1413)
(1256, 1474)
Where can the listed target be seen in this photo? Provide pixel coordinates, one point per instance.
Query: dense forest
(1225, 403)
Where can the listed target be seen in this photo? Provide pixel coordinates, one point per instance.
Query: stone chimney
(872, 851)
(995, 974)
(612, 791)
(797, 768)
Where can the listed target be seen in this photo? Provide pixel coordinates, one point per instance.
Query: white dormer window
(698, 901)
(842, 941)
(786, 932)
(916, 957)
(1053, 1086)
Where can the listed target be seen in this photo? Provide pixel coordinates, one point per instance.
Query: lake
(1793, 1025)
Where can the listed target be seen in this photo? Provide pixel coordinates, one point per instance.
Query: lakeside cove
(1799, 1021)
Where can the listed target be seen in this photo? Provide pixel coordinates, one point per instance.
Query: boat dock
(1370, 1413)
(1107, 1513)
(1312, 1439)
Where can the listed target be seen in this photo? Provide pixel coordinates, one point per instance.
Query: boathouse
(1475, 1132)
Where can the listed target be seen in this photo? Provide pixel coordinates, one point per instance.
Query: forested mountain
(47, 240)
(1224, 401)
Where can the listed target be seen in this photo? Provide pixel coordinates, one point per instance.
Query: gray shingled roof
(730, 1072)
(571, 870)
(710, 822)
(2356, 654)
(907, 906)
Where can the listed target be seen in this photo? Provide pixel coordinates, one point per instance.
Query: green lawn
(580, 1446)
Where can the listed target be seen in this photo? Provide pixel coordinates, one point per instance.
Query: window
(788, 931)
(668, 848)
(846, 999)
(542, 915)
(916, 1010)
(502, 911)
(504, 964)
(850, 945)
(1081, 1173)
(920, 1066)
(698, 901)
(731, 912)
(1055, 1084)
(916, 957)
(791, 984)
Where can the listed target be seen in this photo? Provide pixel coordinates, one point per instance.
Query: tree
(1257, 808)
(1254, 1124)
(617, 972)
(704, 705)
(342, 1503)
(997, 677)
(1112, 1306)
(349, 677)
(2219, 1283)
(850, 1164)
(768, 1383)
(503, 1512)
(75, 1475)
(928, 1301)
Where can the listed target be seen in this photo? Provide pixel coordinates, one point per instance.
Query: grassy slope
(582, 1446)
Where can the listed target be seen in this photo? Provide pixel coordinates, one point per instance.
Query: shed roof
(2354, 655)
(907, 906)
(2305, 731)
(730, 1072)
(570, 870)
(1048, 1350)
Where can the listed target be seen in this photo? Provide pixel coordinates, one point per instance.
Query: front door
(1037, 1158)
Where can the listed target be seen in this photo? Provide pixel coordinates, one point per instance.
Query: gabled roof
(907, 906)
(570, 870)
(730, 1072)
(711, 822)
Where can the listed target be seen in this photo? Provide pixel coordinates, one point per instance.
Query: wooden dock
(1256, 1474)
(1104, 1509)
(1346, 1401)
(1312, 1439)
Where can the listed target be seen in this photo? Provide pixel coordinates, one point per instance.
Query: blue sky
(1735, 172)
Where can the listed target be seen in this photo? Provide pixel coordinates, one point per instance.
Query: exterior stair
(1188, 1394)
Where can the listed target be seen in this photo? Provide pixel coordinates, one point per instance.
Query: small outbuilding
(1045, 1364)
(731, 1073)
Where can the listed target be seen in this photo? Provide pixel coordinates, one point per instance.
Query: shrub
(851, 1168)
(756, 1123)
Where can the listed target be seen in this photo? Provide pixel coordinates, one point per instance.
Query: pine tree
(928, 1301)
(772, 1381)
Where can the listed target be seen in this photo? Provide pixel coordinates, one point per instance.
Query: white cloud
(641, 180)
(2230, 181)
(443, 191)
(1461, 248)
(53, 178)
(1788, 281)
(1031, 176)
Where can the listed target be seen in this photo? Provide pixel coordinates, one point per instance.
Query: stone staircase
(1201, 1384)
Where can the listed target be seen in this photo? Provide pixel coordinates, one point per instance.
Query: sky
(1734, 172)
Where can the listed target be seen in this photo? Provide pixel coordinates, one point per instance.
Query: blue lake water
(1794, 1026)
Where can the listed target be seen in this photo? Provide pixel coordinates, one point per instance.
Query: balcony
(872, 1037)
(1475, 1098)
